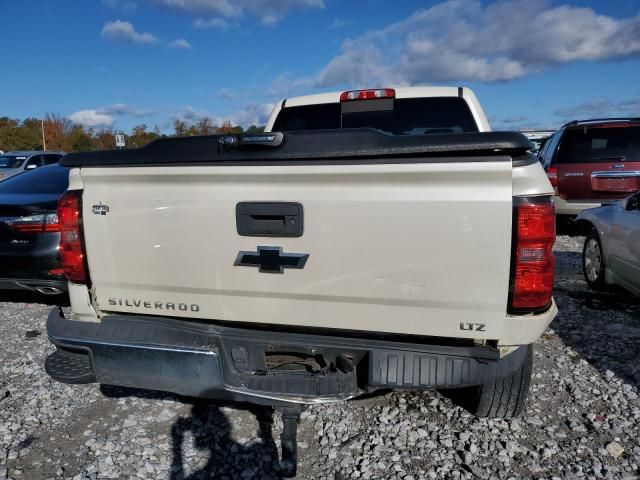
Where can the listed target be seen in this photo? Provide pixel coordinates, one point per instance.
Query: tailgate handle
(269, 219)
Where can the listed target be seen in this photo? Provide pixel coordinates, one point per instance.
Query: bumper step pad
(69, 367)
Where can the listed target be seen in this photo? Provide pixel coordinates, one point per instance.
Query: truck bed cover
(326, 146)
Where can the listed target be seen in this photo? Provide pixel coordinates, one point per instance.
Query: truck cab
(398, 111)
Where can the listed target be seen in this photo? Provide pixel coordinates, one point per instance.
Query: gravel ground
(582, 419)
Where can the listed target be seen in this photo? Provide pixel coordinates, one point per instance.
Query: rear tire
(502, 397)
(593, 262)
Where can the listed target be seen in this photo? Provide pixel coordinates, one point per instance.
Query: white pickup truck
(314, 263)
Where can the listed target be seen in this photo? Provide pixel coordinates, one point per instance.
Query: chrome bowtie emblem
(271, 260)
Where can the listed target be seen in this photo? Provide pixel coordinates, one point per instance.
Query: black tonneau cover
(323, 146)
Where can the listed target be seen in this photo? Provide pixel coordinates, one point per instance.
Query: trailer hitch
(289, 439)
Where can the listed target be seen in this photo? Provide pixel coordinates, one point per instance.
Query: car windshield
(12, 161)
(408, 116)
(45, 180)
(600, 144)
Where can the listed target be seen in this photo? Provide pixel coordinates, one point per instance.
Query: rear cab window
(403, 116)
(597, 144)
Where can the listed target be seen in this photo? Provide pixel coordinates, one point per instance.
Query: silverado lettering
(183, 307)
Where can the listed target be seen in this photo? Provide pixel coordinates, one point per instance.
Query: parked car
(611, 253)
(591, 162)
(13, 163)
(538, 138)
(30, 232)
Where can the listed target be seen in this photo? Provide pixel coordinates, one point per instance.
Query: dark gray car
(611, 253)
(13, 163)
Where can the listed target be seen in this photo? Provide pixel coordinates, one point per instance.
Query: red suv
(591, 162)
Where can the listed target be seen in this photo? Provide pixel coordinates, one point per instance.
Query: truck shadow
(210, 432)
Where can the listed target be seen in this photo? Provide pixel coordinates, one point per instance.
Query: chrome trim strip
(629, 174)
(292, 398)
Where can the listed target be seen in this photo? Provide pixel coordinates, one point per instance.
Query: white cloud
(190, 115)
(180, 44)
(106, 116)
(125, 6)
(286, 85)
(514, 119)
(338, 23)
(122, 109)
(252, 114)
(247, 115)
(125, 32)
(515, 122)
(600, 107)
(270, 20)
(463, 40)
(227, 94)
(91, 118)
(269, 11)
(217, 23)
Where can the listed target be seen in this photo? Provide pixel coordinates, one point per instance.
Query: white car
(13, 163)
(538, 138)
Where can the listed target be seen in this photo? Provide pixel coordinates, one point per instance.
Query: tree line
(62, 134)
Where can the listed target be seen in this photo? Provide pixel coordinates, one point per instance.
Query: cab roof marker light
(370, 94)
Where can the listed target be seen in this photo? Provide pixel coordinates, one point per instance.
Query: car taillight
(552, 175)
(532, 262)
(47, 222)
(71, 241)
(367, 94)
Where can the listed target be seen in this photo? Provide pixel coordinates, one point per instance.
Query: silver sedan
(611, 253)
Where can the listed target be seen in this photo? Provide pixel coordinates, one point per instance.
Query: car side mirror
(633, 203)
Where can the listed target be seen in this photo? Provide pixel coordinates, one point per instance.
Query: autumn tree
(140, 136)
(227, 127)
(255, 129)
(56, 128)
(16, 135)
(104, 139)
(180, 128)
(62, 134)
(206, 127)
(76, 139)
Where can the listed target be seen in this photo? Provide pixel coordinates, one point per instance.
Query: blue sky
(532, 63)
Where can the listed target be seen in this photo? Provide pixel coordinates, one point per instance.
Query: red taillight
(534, 234)
(71, 247)
(552, 175)
(367, 94)
(47, 222)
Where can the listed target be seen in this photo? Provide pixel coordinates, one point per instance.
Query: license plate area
(615, 183)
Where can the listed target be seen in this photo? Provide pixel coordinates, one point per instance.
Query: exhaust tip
(49, 290)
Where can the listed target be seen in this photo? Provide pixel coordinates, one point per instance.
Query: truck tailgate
(413, 248)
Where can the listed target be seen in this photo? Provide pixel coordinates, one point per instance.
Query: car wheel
(593, 264)
(501, 397)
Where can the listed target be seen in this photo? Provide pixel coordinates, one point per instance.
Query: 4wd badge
(100, 209)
